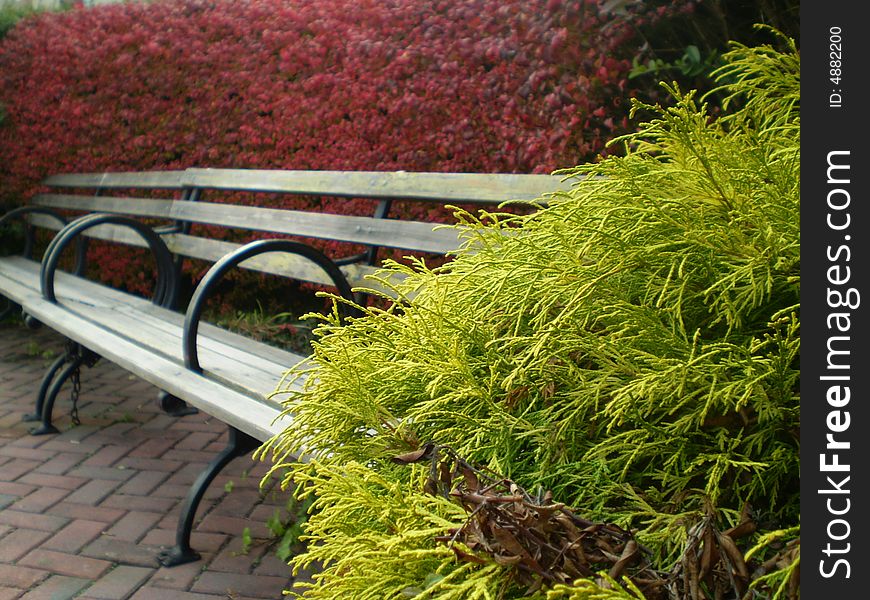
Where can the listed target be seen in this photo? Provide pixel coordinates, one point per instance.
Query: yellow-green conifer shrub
(633, 347)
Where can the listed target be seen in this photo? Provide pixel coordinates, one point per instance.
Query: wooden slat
(139, 207)
(141, 179)
(406, 235)
(283, 265)
(211, 338)
(486, 188)
(229, 358)
(251, 415)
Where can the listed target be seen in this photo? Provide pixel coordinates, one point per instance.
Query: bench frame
(171, 244)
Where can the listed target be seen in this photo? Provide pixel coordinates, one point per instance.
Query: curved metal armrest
(217, 271)
(164, 289)
(28, 240)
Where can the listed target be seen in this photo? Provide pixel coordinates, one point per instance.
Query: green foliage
(12, 13)
(632, 347)
(691, 64)
(282, 329)
(687, 43)
(247, 541)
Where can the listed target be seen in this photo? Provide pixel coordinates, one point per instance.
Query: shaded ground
(84, 512)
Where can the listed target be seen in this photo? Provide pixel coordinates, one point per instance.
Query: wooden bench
(197, 365)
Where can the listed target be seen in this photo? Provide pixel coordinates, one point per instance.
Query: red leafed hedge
(450, 85)
(443, 85)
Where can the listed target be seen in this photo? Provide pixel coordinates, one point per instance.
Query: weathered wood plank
(165, 323)
(283, 265)
(141, 179)
(466, 188)
(407, 235)
(139, 207)
(252, 414)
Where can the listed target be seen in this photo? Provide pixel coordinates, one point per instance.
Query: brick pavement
(84, 512)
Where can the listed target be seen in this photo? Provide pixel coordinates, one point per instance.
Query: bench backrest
(190, 189)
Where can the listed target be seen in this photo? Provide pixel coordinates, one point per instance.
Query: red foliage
(446, 85)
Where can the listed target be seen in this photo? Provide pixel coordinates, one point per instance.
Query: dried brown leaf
(424, 452)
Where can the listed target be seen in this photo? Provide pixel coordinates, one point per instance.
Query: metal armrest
(28, 239)
(217, 271)
(164, 289)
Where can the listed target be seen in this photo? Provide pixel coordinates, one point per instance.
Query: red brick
(188, 424)
(77, 435)
(74, 536)
(66, 564)
(56, 481)
(160, 422)
(67, 446)
(272, 565)
(133, 526)
(121, 551)
(23, 520)
(180, 577)
(93, 492)
(118, 473)
(8, 593)
(239, 502)
(120, 582)
(20, 542)
(57, 586)
(150, 593)
(18, 576)
(196, 440)
(29, 441)
(103, 514)
(142, 483)
(187, 474)
(181, 456)
(232, 559)
(233, 525)
(159, 537)
(15, 488)
(41, 499)
(153, 448)
(107, 456)
(168, 490)
(231, 583)
(265, 511)
(200, 541)
(60, 464)
(164, 464)
(146, 503)
(17, 467)
(12, 451)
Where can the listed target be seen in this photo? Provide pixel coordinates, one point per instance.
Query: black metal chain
(74, 396)
(73, 354)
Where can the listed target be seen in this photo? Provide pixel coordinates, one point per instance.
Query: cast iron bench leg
(36, 415)
(58, 373)
(174, 406)
(239, 444)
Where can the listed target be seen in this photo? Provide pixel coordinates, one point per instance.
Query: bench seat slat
(249, 414)
(246, 365)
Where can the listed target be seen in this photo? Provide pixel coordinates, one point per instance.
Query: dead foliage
(547, 543)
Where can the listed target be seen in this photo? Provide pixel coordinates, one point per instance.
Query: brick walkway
(83, 512)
